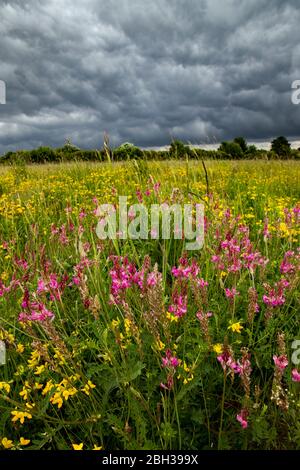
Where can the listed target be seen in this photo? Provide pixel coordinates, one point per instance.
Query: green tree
(242, 143)
(127, 151)
(281, 146)
(178, 149)
(231, 149)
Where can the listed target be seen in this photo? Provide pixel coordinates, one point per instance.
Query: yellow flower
(77, 446)
(115, 323)
(57, 400)
(34, 359)
(235, 327)
(283, 227)
(172, 317)
(24, 393)
(39, 370)
(86, 389)
(20, 348)
(49, 385)
(30, 405)
(160, 345)
(24, 442)
(97, 447)
(20, 415)
(69, 392)
(7, 444)
(218, 348)
(38, 386)
(5, 386)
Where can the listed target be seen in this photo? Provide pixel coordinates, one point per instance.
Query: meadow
(138, 344)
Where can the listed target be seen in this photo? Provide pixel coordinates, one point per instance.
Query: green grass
(120, 348)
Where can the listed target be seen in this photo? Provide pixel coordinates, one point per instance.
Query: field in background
(136, 344)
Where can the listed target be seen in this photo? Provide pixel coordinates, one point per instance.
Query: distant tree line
(236, 149)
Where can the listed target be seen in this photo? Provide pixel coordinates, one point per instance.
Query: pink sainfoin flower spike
(179, 305)
(266, 231)
(139, 195)
(227, 362)
(231, 293)
(281, 362)
(242, 418)
(275, 296)
(295, 375)
(170, 361)
(36, 312)
(290, 263)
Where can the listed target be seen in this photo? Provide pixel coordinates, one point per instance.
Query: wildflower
(77, 446)
(245, 371)
(68, 392)
(235, 327)
(231, 293)
(253, 306)
(227, 361)
(295, 375)
(281, 362)
(170, 360)
(34, 360)
(172, 317)
(5, 386)
(38, 386)
(203, 319)
(57, 400)
(242, 418)
(97, 447)
(275, 296)
(179, 306)
(7, 444)
(30, 405)
(20, 415)
(49, 385)
(25, 392)
(24, 442)
(20, 348)
(218, 348)
(39, 370)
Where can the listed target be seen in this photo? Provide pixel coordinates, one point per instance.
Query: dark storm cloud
(198, 70)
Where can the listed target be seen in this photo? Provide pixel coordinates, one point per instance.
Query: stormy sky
(147, 71)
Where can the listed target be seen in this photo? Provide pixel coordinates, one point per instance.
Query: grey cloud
(199, 70)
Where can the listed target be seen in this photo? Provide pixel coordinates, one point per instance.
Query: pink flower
(242, 418)
(152, 279)
(179, 306)
(185, 269)
(170, 360)
(82, 214)
(41, 286)
(227, 361)
(202, 316)
(231, 293)
(295, 375)
(156, 187)
(38, 312)
(202, 283)
(280, 361)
